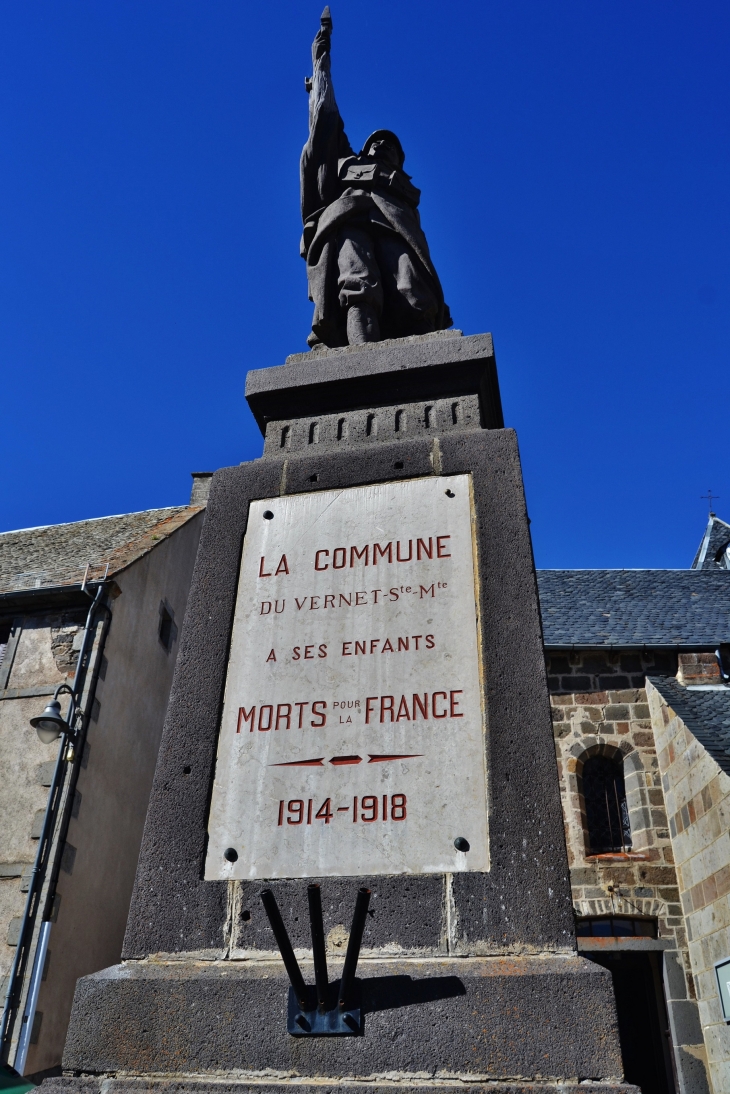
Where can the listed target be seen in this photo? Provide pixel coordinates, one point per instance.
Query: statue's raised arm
(368, 266)
(327, 142)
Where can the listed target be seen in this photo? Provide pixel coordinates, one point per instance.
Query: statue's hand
(321, 44)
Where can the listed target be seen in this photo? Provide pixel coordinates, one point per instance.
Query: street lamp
(50, 725)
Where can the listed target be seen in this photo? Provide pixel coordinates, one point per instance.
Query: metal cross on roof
(709, 497)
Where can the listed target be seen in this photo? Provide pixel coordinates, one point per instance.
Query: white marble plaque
(352, 736)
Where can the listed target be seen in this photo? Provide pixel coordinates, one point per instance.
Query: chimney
(699, 668)
(201, 487)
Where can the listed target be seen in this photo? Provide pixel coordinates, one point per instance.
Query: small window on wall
(5, 629)
(167, 629)
(615, 926)
(607, 815)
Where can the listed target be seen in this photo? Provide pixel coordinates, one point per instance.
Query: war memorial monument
(353, 872)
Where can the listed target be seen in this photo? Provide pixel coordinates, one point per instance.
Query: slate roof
(58, 554)
(711, 552)
(706, 715)
(634, 608)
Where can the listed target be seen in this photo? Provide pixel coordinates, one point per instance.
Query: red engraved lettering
(322, 650)
(421, 706)
(346, 600)
(425, 590)
(369, 804)
(383, 552)
(300, 605)
(278, 609)
(422, 549)
(360, 647)
(410, 551)
(329, 597)
(430, 641)
(403, 644)
(261, 727)
(297, 653)
(374, 643)
(301, 707)
(271, 657)
(308, 655)
(265, 607)
(346, 649)
(261, 568)
(438, 695)
(370, 699)
(359, 602)
(283, 567)
(355, 554)
(244, 717)
(454, 703)
(319, 714)
(312, 606)
(386, 707)
(417, 638)
(441, 551)
(316, 561)
(283, 713)
(403, 711)
(340, 552)
(398, 807)
(387, 646)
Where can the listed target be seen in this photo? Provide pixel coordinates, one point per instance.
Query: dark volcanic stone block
(131, 1085)
(525, 897)
(396, 371)
(406, 912)
(531, 1018)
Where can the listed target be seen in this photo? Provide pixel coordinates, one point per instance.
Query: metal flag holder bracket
(316, 1011)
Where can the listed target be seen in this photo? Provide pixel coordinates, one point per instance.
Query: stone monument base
(519, 1021)
(427, 1021)
(467, 978)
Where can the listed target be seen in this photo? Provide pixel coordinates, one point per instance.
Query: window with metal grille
(607, 815)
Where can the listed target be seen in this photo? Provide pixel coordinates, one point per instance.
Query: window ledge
(623, 942)
(619, 856)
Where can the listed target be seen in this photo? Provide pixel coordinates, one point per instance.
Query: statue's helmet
(385, 135)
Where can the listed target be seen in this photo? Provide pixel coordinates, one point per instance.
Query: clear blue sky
(573, 158)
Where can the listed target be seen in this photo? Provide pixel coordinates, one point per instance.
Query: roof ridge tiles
(90, 520)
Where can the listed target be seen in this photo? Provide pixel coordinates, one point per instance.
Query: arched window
(607, 816)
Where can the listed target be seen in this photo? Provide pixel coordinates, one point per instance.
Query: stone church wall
(591, 718)
(698, 802)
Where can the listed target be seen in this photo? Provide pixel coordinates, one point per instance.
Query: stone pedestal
(466, 977)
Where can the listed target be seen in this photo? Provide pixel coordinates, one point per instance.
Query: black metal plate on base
(334, 1022)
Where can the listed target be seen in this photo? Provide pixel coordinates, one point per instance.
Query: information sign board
(352, 734)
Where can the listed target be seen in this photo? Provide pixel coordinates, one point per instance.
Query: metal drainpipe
(45, 844)
(37, 975)
(36, 876)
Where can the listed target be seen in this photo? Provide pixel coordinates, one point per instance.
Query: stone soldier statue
(369, 270)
